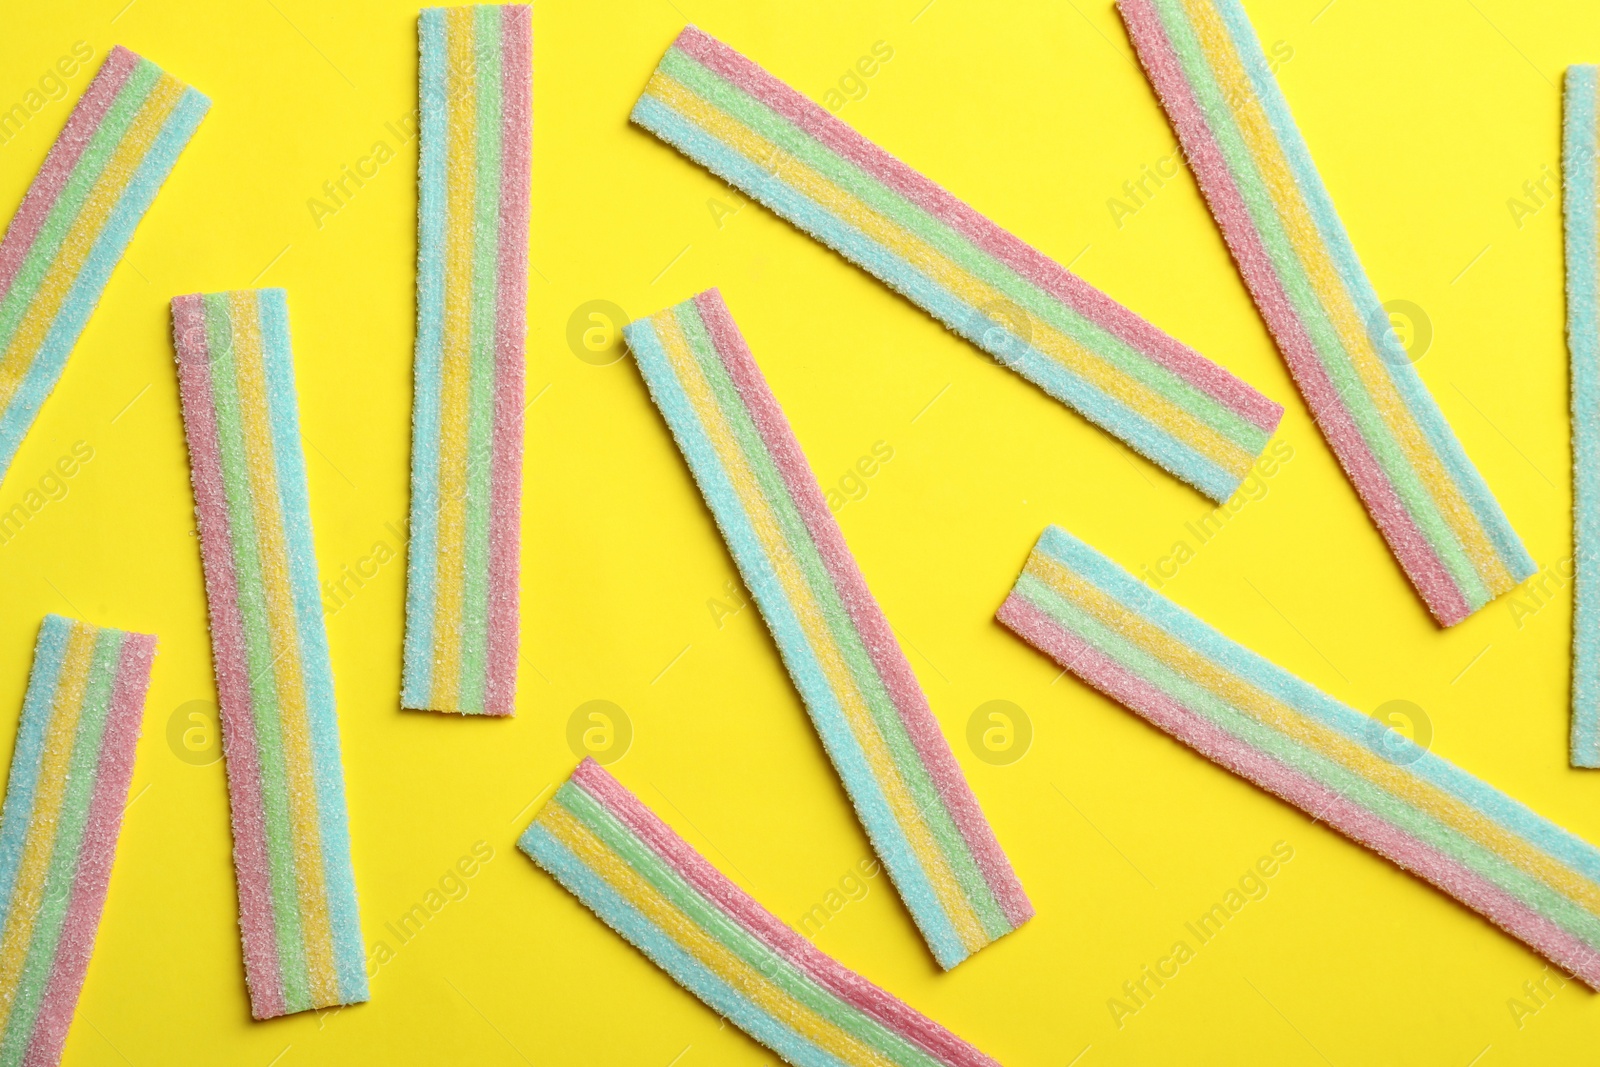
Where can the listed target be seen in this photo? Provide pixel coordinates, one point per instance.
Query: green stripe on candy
(480, 405)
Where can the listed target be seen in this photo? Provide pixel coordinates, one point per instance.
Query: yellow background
(1425, 119)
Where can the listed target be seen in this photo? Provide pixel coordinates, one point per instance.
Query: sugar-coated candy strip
(466, 435)
(1524, 873)
(1077, 344)
(76, 220)
(291, 837)
(1428, 500)
(70, 773)
(863, 698)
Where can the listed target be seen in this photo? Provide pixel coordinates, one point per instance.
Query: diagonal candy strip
(653, 888)
(862, 696)
(1160, 397)
(70, 773)
(1524, 873)
(77, 219)
(1428, 500)
(291, 835)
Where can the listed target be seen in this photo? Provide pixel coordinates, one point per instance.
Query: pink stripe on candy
(827, 972)
(1356, 822)
(909, 700)
(1417, 558)
(64, 155)
(95, 853)
(256, 918)
(1031, 264)
(510, 330)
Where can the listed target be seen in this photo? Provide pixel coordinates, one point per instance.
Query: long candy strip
(1581, 191)
(872, 715)
(653, 888)
(1430, 503)
(1080, 346)
(58, 835)
(291, 838)
(1524, 873)
(472, 282)
(76, 220)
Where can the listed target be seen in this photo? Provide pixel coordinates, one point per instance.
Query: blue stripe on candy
(665, 953)
(888, 837)
(422, 554)
(1111, 579)
(1578, 164)
(1100, 408)
(38, 708)
(1365, 298)
(109, 245)
(316, 666)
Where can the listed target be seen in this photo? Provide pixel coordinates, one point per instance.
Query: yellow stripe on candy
(85, 230)
(50, 789)
(819, 637)
(456, 364)
(976, 293)
(284, 637)
(1289, 721)
(1311, 249)
(692, 938)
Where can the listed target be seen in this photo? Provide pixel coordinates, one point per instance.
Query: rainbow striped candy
(472, 290)
(58, 835)
(76, 220)
(1581, 190)
(291, 837)
(1428, 500)
(1522, 872)
(1162, 398)
(873, 717)
(649, 885)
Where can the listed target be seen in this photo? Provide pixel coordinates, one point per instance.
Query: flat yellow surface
(1426, 118)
